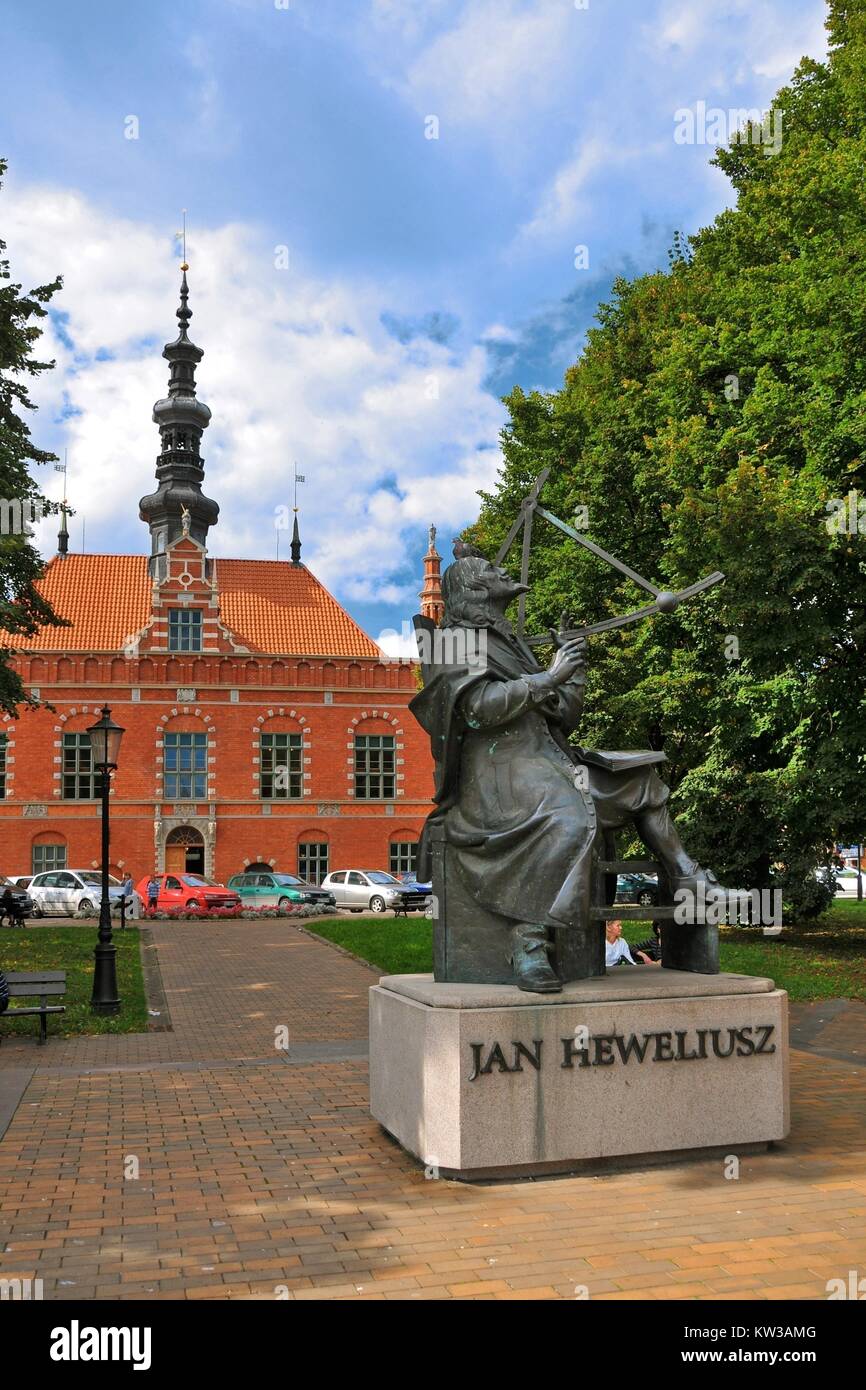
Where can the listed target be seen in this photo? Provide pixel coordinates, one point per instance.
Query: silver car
(373, 889)
(67, 892)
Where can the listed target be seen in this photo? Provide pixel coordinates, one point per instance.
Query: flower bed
(246, 914)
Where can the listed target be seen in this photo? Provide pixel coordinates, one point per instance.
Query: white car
(846, 882)
(71, 891)
(373, 889)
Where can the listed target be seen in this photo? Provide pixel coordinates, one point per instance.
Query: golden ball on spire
(184, 266)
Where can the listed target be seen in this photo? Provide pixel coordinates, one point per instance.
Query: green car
(277, 890)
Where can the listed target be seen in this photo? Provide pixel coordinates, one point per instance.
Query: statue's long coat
(509, 787)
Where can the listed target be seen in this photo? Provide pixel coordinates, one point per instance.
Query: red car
(189, 893)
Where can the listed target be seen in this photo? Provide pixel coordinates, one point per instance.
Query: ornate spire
(63, 534)
(182, 419)
(432, 603)
(296, 543)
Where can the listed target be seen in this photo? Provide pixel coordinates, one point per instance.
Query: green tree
(22, 609)
(717, 420)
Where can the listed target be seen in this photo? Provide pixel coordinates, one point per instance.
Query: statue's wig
(466, 595)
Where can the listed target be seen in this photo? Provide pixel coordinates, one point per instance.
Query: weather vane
(299, 478)
(181, 237)
(664, 600)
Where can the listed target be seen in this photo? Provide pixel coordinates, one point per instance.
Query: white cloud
(560, 206)
(389, 436)
(399, 645)
(494, 65)
(733, 44)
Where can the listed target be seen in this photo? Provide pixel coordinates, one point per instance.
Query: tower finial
(184, 312)
(296, 542)
(63, 533)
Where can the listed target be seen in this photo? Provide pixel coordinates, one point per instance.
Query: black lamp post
(105, 739)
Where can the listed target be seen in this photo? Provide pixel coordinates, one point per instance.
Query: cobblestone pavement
(261, 1174)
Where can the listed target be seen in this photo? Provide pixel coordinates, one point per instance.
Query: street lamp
(105, 738)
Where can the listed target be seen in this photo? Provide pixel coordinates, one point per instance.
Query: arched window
(47, 852)
(313, 860)
(403, 855)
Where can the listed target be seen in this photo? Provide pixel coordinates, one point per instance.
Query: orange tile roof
(106, 597)
(269, 605)
(283, 609)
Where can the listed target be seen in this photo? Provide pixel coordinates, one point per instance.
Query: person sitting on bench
(617, 951)
(652, 947)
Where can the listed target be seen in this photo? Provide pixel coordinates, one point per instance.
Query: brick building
(262, 724)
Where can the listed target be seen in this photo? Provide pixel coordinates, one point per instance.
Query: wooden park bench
(41, 984)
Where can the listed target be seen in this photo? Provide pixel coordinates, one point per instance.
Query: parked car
(411, 880)
(70, 891)
(21, 898)
(278, 890)
(22, 882)
(188, 892)
(637, 888)
(357, 889)
(846, 881)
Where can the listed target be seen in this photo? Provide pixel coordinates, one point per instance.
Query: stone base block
(485, 1080)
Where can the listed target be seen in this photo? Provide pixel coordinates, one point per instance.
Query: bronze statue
(518, 807)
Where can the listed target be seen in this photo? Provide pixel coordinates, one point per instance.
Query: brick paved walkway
(261, 1175)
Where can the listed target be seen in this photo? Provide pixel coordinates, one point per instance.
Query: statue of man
(522, 806)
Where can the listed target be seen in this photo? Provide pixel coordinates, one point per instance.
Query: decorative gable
(186, 586)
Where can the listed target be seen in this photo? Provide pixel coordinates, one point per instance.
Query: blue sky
(363, 293)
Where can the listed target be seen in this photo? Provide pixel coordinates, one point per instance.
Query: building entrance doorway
(184, 851)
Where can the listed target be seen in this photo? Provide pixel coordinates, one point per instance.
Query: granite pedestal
(645, 1063)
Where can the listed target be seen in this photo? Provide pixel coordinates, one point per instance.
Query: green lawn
(71, 949)
(820, 960)
(395, 945)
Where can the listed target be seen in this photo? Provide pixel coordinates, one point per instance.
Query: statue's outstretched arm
(493, 702)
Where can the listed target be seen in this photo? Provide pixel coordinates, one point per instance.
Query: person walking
(152, 894)
(135, 910)
(129, 898)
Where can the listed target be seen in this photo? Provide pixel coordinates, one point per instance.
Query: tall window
(404, 857)
(282, 765)
(80, 782)
(184, 629)
(313, 860)
(48, 857)
(2, 765)
(374, 766)
(185, 767)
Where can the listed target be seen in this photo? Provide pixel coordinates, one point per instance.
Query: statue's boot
(658, 832)
(532, 970)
